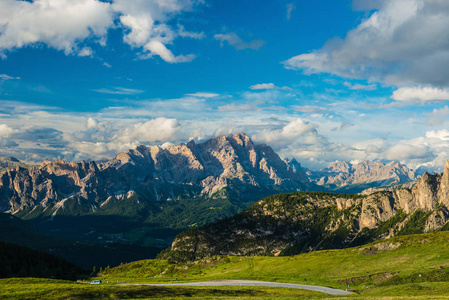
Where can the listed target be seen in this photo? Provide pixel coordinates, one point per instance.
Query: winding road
(314, 288)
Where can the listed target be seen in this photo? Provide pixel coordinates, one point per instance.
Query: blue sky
(319, 80)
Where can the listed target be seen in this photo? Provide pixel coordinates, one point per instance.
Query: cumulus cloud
(268, 86)
(286, 135)
(422, 94)
(69, 25)
(159, 129)
(403, 43)
(147, 26)
(234, 40)
(5, 130)
(60, 24)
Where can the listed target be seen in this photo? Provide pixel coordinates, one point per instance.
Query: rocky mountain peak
(177, 171)
(338, 166)
(356, 177)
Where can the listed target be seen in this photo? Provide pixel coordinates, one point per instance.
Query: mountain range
(148, 195)
(347, 177)
(288, 224)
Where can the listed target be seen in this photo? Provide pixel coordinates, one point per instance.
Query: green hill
(411, 265)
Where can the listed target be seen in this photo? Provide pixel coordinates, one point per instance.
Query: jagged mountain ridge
(299, 222)
(346, 177)
(11, 163)
(175, 172)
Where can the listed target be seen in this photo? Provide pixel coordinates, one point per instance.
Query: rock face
(153, 173)
(299, 222)
(346, 177)
(11, 163)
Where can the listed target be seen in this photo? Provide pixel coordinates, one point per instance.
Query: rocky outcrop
(154, 174)
(354, 178)
(293, 223)
(11, 163)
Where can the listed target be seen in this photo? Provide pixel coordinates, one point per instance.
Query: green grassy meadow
(406, 267)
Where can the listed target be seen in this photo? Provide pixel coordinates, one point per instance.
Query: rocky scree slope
(287, 224)
(345, 177)
(230, 166)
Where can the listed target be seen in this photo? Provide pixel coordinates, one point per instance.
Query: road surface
(314, 288)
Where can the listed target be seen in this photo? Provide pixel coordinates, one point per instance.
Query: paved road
(256, 283)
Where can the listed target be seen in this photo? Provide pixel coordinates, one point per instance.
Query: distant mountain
(11, 163)
(345, 177)
(288, 224)
(148, 194)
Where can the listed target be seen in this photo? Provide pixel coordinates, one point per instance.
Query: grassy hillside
(414, 266)
(31, 288)
(407, 264)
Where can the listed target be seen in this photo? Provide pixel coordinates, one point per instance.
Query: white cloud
(69, 25)
(268, 86)
(60, 24)
(157, 48)
(279, 138)
(148, 28)
(7, 77)
(203, 95)
(86, 51)
(5, 130)
(234, 40)
(407, 151)
(403, 43)
(263, 86)
(423, 94)
(440, 134)
(92, 123)
(159, 129)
